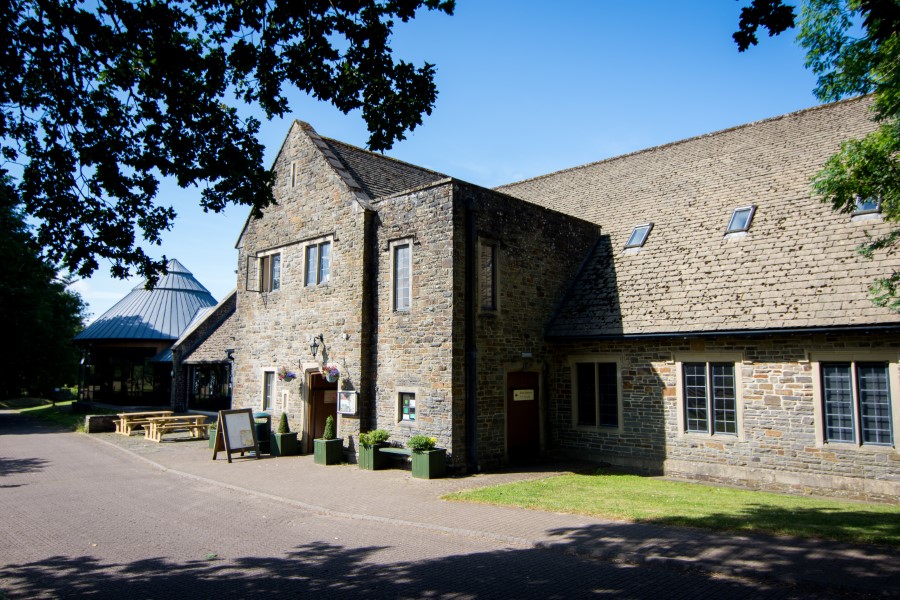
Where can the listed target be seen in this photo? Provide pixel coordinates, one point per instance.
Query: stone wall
(275, 328)
(779, 444)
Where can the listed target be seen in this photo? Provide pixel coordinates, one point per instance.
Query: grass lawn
(61, 414)
(656, 501)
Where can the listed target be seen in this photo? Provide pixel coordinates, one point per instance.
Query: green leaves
(99, 100)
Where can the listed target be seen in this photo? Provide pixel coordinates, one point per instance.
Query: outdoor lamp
(314, 347)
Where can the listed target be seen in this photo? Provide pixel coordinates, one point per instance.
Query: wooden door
(322, 403)
(523, 427)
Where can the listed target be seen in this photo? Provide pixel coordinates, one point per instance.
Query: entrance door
(322, 402)
(523, 429)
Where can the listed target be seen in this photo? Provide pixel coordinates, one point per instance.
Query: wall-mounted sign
(347, 402)
(519, 395)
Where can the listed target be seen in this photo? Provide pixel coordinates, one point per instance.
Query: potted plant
(428, 462)
(369, 443)
(328, 449)
(285, 439)
(330, 372)
(285, 375)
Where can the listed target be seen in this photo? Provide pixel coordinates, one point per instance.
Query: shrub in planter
(285, 439)
(369, 443)
(328, 450)
(427, 462)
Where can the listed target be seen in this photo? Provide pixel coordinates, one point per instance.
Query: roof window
(867, 206)
(639, 235)
(741, 219)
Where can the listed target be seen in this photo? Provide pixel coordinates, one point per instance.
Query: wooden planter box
(430, 464)
(328, 452)
(371, 459)
(285, 444)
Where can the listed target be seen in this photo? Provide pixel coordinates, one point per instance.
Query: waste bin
(263, 423)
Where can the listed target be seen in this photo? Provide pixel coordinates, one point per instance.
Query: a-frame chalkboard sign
(235, 432)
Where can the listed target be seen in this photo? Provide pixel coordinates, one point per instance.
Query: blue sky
(526, 88)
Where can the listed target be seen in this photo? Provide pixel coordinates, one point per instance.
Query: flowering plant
(284, 374)
(421, 443)
(330, 371)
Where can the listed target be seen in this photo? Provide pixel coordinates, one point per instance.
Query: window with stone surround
(855, 399)
(270, 272)
(317, 264)
(268, 391)
(596, 391)
(407, 406)
(709, 395)
(401, 275)
(487, 275)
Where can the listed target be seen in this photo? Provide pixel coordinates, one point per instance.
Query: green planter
(371, 459)
(285, 444)
(328, 452)
(212, 438)
(429, 464)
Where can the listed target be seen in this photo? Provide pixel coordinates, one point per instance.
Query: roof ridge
(682, 141)
(383, 156)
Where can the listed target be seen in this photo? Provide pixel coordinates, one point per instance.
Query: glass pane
(724, 398)
(268, 390)
(607, 396)
(401, 277)
(586, 382)
(838, 397)
(740, 220)
(695, 411)
(407, 406)
(874, 403)
(867, 205)
(276, 271)
(312, 261)
(638, 236)
(324, 262)
(487, 277)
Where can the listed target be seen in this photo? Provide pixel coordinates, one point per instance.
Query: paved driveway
(81, 519)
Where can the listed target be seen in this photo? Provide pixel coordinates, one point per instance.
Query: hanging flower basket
(330, 372)
(285, 375)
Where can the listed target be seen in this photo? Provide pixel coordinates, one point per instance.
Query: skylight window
(639, 236)
(867, 206)
(741, 219)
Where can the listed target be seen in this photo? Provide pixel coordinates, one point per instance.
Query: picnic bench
(128, 422)
(159, 426)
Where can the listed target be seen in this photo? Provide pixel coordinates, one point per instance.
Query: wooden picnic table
(127, 422)
(158, 426)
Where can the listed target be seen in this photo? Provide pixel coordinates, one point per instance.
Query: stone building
(688, 309)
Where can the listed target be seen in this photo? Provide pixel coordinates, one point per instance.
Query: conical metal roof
(162, 313)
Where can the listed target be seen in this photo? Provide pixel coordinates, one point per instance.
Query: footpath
(393, 496)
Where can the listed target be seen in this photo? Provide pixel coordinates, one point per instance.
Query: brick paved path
(79, 517)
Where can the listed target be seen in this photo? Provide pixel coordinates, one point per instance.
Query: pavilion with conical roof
(128, 357)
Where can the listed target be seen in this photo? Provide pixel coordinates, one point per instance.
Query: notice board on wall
(235, 432)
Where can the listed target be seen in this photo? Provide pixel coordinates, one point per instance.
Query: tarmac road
(79, 519)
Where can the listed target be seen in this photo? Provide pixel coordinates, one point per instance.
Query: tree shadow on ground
(329, 571)
(21, 465)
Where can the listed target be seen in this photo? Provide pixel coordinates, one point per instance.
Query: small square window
(867, 206)
(639, 235)
(407, 406)
(741, 219)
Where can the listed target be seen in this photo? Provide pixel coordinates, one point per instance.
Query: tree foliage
(100, 99)
(853, 46)
(39, 315)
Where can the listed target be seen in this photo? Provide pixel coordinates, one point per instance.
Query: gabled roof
(380, 175)
(162, 313)
(795, 268)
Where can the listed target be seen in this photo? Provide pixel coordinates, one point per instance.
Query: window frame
(399, 393)
(751, 208)
(268, 262)
(859, 211)
(710, 359)
(316, 264)
(642, 239)
(395, 299)
(597, 359)
(854, 359)
(267, 397)
(494, 248)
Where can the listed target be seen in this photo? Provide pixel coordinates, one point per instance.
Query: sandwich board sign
(235, 432)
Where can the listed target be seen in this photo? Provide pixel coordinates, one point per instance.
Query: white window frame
(317, 268)
(752, 211)
(707, 358)
(393, 247)
(267, 387)
(853, 357)
(867, 211)
(620, 413)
